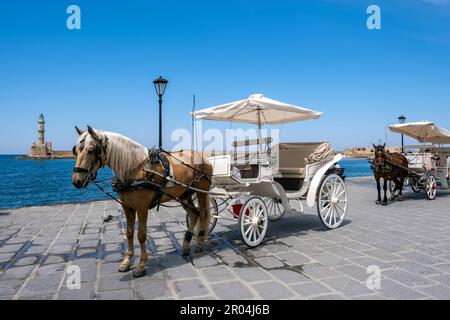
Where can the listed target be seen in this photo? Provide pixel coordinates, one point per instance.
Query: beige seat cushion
(292, 157)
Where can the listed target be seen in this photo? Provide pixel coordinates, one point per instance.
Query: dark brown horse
(390, 167)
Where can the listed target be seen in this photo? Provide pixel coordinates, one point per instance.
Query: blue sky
(316, 54)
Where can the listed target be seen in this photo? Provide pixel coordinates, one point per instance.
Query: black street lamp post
(160, 86)
(402, 119)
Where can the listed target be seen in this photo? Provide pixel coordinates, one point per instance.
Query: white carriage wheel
(275, 210)
(431, 187)
(415, 188)
(253, 221)
(332, 201)
(214, 211)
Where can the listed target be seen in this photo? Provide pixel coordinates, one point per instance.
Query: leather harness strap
(155, 156)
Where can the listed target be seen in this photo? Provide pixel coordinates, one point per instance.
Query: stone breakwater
(409, 243)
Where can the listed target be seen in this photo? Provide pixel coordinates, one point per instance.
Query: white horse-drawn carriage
(256, 186)
(428, 163)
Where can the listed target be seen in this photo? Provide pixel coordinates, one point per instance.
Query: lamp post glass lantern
(160, 87)
(402, 120)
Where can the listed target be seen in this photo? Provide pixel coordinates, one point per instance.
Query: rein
(155, 156)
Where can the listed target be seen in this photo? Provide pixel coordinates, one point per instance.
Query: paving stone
(251, 274)
(421, 258)
(273, 290)
(10, 248)
(155, 288)
(25, 261)
(16, 273)
(269, 262)
(181, 272)
(444, 279)
(42, 284)
(329, 259)
(123, 294)
(232, 290)
(347, 287)
(51, 269)
(6, 257)
(215, 274)
(437, 292)
(394, 290)
(310, 288)
(235, 260)
(204, 261)
(417, 268)
(318, 271)
(406, 278)
(115, 282)
(10, 287)
(190, 288)
(293, 258)
(288, 276)
(86, 292)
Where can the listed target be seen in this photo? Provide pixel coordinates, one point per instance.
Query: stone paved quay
(409, 241)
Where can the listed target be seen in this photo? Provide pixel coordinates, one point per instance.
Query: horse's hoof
(378, 202)
(198, 249)
(401, 198)
(125, 268)
(139, 273)
(384, 203)
(186, 252)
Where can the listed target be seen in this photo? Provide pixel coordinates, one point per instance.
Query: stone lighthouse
(41, 130)
(42, 149)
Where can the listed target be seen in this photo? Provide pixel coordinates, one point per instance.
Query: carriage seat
(421, 162)
(293, 157)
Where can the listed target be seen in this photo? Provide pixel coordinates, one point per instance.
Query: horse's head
(90, 151)
(380, 154)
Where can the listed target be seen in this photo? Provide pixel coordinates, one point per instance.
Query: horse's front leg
(141, 268)
(204, 207)
(379, 190)
(130, 214)
(192, 215)
(401, 183)
(385, 200)
(394, 193)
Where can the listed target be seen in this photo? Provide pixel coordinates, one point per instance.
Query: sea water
(44, 182)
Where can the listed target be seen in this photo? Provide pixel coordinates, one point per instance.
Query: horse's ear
(384, 145)
(79, 131)
(92, 133)
(374, 146)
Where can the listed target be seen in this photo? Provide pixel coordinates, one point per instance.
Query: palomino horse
(389, 166)
(130, 161)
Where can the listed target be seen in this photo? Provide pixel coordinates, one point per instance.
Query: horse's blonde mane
(123, 154)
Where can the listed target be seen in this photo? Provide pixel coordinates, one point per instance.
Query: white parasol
(257, 109)
(423, 131)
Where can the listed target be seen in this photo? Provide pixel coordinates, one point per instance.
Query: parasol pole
(258, 113)
(194, 133)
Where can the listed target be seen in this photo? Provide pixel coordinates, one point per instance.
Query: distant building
(43, 149)
(363, 152)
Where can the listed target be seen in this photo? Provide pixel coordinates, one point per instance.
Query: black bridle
(99, 148)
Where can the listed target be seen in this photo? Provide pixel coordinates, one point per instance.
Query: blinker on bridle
(99, 147)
